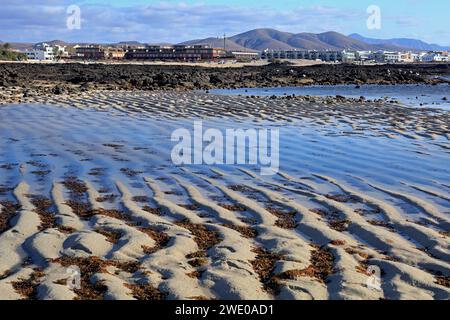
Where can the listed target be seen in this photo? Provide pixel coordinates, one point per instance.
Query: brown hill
(261, 39)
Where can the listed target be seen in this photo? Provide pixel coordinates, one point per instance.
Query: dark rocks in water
(61, 77)
(57, 90)
(445, 98)
(79, 79)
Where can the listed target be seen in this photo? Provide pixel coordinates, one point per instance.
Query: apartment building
(350, 56)
(90, 52)
(302, 54)
(175, 53)
(115, 53)
(395, 57)
(244, 55)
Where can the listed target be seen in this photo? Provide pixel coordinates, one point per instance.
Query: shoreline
(40, 80)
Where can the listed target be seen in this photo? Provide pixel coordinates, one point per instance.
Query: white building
(60, 51)
(436, 57)
(43, 52)
(364, 55)
(407, 57)
(421, 55)
(348, 56)
(333, 56)
(415, 57)
(392, 57)
(244, 55)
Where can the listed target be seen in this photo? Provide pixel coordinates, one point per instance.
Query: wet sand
(381, 117)
(86, 180)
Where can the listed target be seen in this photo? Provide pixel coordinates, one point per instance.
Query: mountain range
(402, 42)
(261, 39)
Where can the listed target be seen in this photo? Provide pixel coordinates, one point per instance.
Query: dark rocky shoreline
(32, 79)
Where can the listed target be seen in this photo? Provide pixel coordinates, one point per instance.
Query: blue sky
(176, 21)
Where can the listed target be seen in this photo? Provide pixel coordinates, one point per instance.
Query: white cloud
(37, 20)
(172, 22)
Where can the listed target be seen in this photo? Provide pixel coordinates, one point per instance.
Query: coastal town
(44, 52)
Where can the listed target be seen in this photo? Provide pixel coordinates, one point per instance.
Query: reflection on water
(411, 95)
(80, 140)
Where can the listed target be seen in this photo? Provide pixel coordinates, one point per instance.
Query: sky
(174, 21)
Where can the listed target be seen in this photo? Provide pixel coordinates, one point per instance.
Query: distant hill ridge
(265, 38)
(261, 39)
(402, 42)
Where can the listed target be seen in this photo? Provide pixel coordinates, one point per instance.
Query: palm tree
(56, 53)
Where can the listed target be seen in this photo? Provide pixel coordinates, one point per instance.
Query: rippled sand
(90, 183)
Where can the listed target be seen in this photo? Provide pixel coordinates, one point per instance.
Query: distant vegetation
(7, 54)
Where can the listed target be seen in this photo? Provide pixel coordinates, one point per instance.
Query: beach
(87, 182)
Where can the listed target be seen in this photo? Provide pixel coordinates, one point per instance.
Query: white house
(42, 53)
(421, 55)
(364, 55)
(60, 50)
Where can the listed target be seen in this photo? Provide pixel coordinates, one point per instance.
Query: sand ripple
(97, 190)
